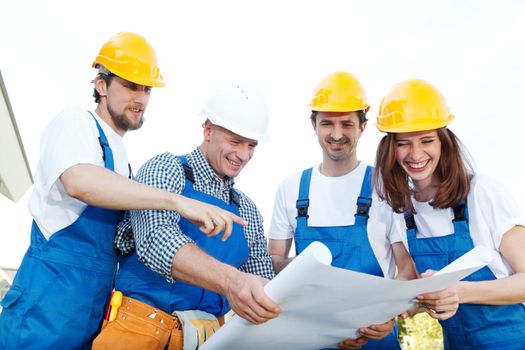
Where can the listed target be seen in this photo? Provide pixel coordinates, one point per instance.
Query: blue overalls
(60, 292)
(474, 326)
(136, 280)
(349, 245)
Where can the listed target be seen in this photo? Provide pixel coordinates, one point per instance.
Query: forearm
(406, 268)
(280, 262)
(103, 188)
(279, 250)
(503, 291)
(194, 266)
(406, 274)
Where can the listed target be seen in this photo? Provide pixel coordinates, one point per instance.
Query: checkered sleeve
(259, 262)
(157, 234)
(124, 238)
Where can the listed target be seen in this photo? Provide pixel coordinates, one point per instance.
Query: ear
(314, 122)
(207, 130)
(362, 126)
(101, 86)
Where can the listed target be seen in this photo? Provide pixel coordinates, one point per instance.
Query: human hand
(351, 344)
(442, 304)
(415, 309)
(211, 219)
(247, 298)
(377, 331)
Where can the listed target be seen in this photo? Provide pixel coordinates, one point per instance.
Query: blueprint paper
(322, 305)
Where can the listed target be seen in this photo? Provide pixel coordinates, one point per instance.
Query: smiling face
(226, 152)
(123, 103)
(418, 154)
(338, 134)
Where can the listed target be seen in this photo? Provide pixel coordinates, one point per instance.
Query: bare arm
(103, 188)
(279, 250)
(406, 268)
(244, 291)
(502, 291)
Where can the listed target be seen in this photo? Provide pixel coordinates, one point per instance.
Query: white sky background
(473, 51)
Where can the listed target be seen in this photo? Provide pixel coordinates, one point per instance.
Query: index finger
(440, 294)
(238, 219)
(230, 219)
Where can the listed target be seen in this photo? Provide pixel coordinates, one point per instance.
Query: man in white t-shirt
(82, 183)
(334, 202)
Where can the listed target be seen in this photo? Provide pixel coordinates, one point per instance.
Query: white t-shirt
(492, 212)
(333, 203)
(71, 138)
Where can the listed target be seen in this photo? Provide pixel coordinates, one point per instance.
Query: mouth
(337, 144)
(417, 166)
(233, 163)
(136, 110)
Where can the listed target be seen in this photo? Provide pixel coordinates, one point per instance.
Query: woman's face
(418, 155)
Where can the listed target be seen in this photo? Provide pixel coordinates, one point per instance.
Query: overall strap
(461, 218)
(303, 202)
(190, 181)
(107, 154)
(188, 172)
(460, 221)
(411, 226)
(364, 201)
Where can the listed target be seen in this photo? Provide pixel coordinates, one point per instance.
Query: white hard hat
(240, 108)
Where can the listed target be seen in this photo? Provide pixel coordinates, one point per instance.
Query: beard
(124, 123)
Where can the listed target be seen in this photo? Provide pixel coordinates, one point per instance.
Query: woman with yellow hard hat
(422, 171)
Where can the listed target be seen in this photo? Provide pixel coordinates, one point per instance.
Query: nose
(245, 152)
(416, 151)
(141, 94)
(337, 132)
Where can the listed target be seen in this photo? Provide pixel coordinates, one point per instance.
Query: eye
(401, 143)
(427, 141)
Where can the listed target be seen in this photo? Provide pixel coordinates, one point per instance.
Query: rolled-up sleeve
(259, 262)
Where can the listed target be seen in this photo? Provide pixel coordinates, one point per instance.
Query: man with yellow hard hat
(82, 183)
(334, 202)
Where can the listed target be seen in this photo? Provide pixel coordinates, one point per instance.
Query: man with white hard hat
(167, 265)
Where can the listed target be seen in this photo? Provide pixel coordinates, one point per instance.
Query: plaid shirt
(156, 234)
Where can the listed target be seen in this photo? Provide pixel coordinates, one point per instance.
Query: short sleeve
(280, 226)
(70, 139)
(497, 207)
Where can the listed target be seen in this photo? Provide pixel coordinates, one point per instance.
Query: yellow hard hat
(413, 105)
(131, 57)
(339, 92)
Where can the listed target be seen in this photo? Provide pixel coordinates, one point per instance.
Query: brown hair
(107, 78)
(361, 114)
(454, 172)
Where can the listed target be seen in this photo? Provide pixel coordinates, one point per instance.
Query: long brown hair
(454, 172)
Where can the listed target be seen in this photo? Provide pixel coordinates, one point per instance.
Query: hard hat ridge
(413, 105)
(131, 57)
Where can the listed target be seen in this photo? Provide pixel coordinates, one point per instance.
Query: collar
(205, 172)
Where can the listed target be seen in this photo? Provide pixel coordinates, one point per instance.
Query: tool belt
(139, 326)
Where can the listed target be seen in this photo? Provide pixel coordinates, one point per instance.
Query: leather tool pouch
(140, 326)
